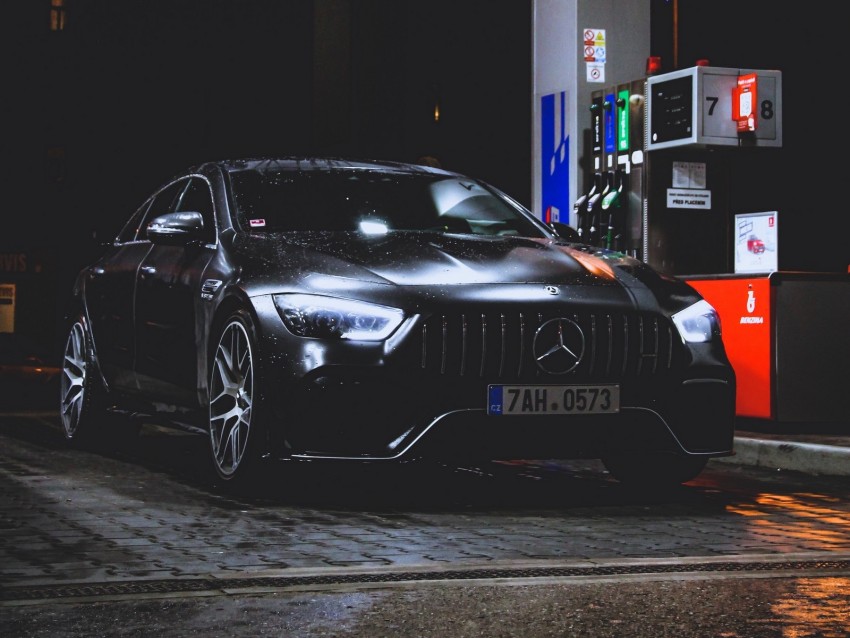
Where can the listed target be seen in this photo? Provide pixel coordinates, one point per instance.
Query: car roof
(321, 163)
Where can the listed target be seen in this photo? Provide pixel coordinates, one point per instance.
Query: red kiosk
(787, 337)
(786, 333)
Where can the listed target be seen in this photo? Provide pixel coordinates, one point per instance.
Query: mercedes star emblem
(558, 346)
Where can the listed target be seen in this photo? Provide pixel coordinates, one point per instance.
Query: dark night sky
(133, 92)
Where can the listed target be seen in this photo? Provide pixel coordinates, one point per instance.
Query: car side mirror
(565, 231)
(176, 228)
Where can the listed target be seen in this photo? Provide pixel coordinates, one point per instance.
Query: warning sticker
(688, 198)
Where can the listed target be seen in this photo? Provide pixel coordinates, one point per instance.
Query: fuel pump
(606, 212)
(597, 122)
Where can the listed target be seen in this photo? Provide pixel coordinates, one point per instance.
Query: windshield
(374, 202)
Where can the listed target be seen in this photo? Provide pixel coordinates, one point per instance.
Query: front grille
(499, 346)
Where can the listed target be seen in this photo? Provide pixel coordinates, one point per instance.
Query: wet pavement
(681, 607)
(132, 543)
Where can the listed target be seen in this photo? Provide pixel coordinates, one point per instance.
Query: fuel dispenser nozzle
(580, 207)
(610, 202)
(611, 199)
(579, 204)
(593, 205)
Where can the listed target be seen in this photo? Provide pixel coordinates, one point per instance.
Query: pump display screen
(694, 107)
(672, 110)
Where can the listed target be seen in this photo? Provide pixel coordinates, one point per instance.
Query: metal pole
(675, 34)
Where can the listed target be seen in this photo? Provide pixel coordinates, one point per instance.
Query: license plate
(553, 399)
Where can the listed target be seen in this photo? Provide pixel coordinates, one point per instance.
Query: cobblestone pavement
(139, 533)
(144, 513)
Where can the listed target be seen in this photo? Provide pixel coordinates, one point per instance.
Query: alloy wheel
(73, 382)
(231, 399)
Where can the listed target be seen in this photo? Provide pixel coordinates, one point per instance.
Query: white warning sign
(689, 198)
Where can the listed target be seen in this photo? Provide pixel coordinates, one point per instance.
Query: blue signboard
(555, 160)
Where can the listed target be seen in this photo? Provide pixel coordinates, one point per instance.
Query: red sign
(745, 103)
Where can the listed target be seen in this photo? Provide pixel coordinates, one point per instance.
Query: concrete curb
(810, 458)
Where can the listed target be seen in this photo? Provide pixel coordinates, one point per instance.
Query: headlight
(697, 323)
(331, 318)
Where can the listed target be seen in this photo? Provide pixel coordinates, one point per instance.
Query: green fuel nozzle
(611, 199)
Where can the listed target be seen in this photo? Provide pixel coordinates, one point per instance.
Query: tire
(80, 391)
(654, 470)
(235, 430)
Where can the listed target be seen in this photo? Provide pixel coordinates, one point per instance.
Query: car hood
(433, 259)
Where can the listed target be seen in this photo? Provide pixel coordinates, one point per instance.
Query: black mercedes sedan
(324, 308)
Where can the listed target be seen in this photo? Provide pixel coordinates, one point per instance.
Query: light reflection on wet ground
(816, 607)
(821, 520)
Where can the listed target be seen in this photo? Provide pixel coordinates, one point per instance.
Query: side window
(161, 203)
(130, 231)
(198, 198)
(166, 200)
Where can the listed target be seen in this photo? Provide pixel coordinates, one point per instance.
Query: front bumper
(375, 416)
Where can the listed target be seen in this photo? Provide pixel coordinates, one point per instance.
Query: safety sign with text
(688, 198)
(595, 54)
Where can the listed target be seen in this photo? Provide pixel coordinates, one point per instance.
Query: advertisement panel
(755, 242)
